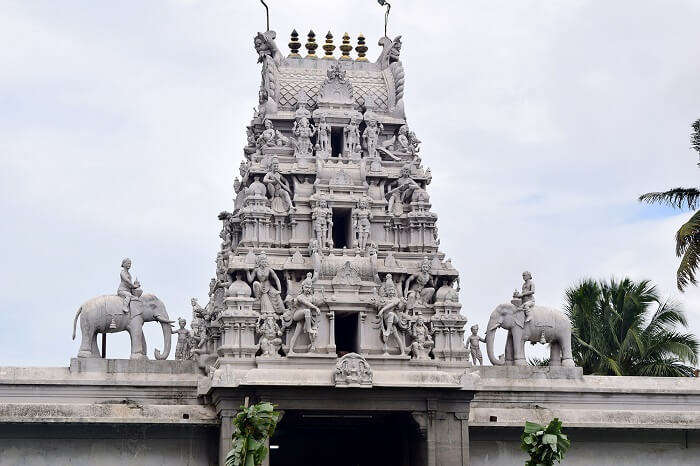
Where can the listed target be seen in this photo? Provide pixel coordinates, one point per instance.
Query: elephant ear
(519, 319)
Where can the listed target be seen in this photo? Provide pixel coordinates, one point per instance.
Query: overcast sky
(122, 125)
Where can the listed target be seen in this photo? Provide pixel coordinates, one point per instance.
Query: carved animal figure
(97, 313)
(545, 325)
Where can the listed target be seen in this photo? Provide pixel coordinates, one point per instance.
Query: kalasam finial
(311, 45)
(294, 45)
(345, 48)
(361, 48)
(328, 46)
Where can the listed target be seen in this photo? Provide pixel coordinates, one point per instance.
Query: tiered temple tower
(330, 259)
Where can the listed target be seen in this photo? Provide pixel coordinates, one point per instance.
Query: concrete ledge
(131, 366)
(529, 372)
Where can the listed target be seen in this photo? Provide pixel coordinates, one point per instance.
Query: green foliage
(688, 236)
(251, 428)
(625, 328)
(545, 445)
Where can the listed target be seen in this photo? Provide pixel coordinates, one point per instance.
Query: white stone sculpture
(393, 321)
(322, 218)
(352, 370)
(473, 343)
(263, 278)
(422, 339)
(182, 349)
(304, 313)
(303, 131)
(278, 189)
(268, 329)
(418, 289)
(362, 221)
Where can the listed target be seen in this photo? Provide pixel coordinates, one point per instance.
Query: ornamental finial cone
(345, 48)
(294, 45)
(361, 48)
(328, 46)
(311, 45)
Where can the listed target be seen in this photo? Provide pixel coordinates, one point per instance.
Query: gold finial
(294, 45)
(361, 48)
(345, 48)
(311, 45)
(328, 46)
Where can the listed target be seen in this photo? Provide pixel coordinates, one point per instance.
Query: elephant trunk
(490, 334)
(167, 335)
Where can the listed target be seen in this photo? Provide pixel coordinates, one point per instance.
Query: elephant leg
(517, 342)
(136, 335)
(88, 334)
(93, 346)
(143, 344)
(567, 359)
(554, 354)
(509, 350)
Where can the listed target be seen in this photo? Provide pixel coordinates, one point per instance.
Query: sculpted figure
(527, 295)
(270, 137)
(270, 332)
(447, 292)
(422, 340)
(182, 349)
(404, 189)
(128, 289)
(322, 218)
(405, 145)
(262, 277)
(362, 217)
(300, 312)
(417, 289)
(352, 139)
(304, 131)
(315, 252)
(370, 136)
(323, 143)
(277, 186)
(393, 322)
(474, 349)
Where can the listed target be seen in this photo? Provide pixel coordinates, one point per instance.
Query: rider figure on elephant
(129, 290)
(527, 295)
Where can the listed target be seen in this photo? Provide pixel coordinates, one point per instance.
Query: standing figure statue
(370, 136)
(527, 295)
(304, 131)
(474, 349)
(392, 320)
(323, 138)
(418, 289)
(353, 149)
(270, 334)
(362, 221)
(322, 218)
(422, 340)
(128, 289)
(182, 349)
(262, 277)
(300, 312)
(277, 186)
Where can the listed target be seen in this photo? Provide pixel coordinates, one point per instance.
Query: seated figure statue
(422, 340)
(128, 289)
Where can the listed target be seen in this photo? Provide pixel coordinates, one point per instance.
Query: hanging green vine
(252, 426)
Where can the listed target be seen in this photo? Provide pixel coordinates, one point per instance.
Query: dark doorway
(341, 228)
(312, 438)
(346, 333)
(337, 140)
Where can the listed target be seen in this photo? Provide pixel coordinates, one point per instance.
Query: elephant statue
(104, 314)
(546, 325)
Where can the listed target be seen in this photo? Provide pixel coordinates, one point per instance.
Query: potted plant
(545, 445)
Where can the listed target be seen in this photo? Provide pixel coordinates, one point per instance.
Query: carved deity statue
(417, 289)
(322, 218)
(422, 339)
(270, 332)
(474, 349)
(447, 292)
(393, 321)
(304, 313)
(278, 189)
(323, 139)
(182, 349)
(370, 136)
(316, 256)
(527, 295)
(303, 131)
(263, 277)
(270, 137)
(403, 146)
(403, 191)
(128, 289)
(362, 217)
(353, 149)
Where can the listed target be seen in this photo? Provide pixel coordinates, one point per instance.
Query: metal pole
(104, 345)
(267, 14)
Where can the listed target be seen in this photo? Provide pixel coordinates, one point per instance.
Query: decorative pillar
(238, 329)
(331, 332)
(225, 433)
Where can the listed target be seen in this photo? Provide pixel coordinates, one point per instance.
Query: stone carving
(270, 333)
(353, 149)
(406, 189)
(370, 136)
(422, 339)
(336, 89)
(341, 178)
(447, 292)
(352, 370)
(182, 347)
(304, 313)
(303, 131)
(403, 146)
(105, 314)
(392, 320)
(473, 344)
(347, 274)
(238, 288)
(263, 277)
(417, 289)
(322, 218)
(129, 290)
(270, 56)
(546, 325)
(297, 258)
(389, 58)
(527, 295)
(278, 189)
(323, 138)
(362, 221)
(270, 137)
(316, 257)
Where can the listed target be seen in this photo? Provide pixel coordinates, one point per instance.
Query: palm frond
(678, 197)
(695, 135)
(685, 275)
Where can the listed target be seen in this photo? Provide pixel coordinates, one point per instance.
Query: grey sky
(122, 125)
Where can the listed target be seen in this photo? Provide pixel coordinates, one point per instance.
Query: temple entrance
(346, 334)
(342, 223)
(336, 141)
(313, 438)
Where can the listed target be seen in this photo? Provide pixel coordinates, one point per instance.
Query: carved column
(238, 329)
(225, 433)
(444, 436)
(363, 323)
(331, 332)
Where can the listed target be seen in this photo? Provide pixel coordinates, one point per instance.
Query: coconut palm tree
(688, 236)
(625, 328)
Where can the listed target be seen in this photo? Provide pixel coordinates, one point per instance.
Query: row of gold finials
(328, 47)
